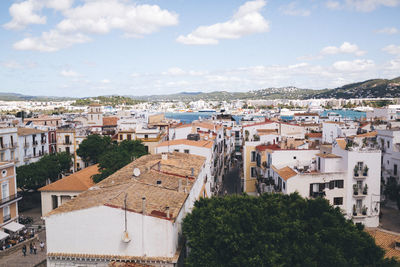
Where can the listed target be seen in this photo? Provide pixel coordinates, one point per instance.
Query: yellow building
(9, 196)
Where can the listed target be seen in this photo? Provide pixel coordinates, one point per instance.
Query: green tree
(116, 158)
(276, 230)
(49, 167)
(91, 149)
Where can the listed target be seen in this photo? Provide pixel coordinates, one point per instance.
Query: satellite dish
(136, 172)
(125, 237)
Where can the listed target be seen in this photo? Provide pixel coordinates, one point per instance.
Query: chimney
(167, 209)
(144, 205)
(192, 171)
(179, 185)
(164, 156)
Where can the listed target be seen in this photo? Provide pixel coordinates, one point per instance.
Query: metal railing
(16, 196)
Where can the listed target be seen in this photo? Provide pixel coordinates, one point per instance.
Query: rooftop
(200, 143)
(111, 191)
(110, 121)
(76, 182)
(328, 156)
(285, 172)
(386, 240)
(29, 131)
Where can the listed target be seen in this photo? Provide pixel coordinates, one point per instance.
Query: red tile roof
(110, 121)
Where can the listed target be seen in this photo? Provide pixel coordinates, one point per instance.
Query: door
(359, 205)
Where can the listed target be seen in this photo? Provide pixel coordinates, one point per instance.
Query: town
(348, 157)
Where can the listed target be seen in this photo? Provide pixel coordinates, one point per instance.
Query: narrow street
(231, 182)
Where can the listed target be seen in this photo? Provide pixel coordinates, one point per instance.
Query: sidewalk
(30, 260)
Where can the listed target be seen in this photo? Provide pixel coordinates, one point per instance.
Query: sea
(188, 117)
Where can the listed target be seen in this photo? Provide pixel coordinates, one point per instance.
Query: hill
(367, 89)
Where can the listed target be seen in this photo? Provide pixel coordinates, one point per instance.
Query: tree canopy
(276, 230)
(117, 157)
(49, 167)
(93, 147)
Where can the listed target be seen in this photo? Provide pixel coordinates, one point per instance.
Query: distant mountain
(367, 89)
(21, 97)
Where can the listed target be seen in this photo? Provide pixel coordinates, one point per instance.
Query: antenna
(125, 235)
(136, 172)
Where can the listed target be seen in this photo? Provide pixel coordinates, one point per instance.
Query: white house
(32, 145)
(133, 216)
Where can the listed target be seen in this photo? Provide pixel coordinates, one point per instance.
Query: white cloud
(354, 66)
(175, 71)
(246, 20)
(392, 49)
(26, 12)
(50, 41)
(105, 81)
(292, 10)
(345, 48)
(11, 64)
(388, 30)
(23, 14)
(102, 16)
(92, 17)
(332, 4)
(370, 5)
(69, 73)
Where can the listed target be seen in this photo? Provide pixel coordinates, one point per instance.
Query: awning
(3, 235)
(14, 227)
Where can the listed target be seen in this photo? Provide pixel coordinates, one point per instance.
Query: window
(360, 165)
(332, 184)
(253, 156)
(283, 185)
(339, 183)
(5, 192)
(146, 136)
(129, 137)
(337, 201)
(2, 156)
(6, 213)
(253, 172)
(186, 151)
(34, 151)
(388, 144)
(121, 136)
(176, 150)
(395, 169)
(67, 150)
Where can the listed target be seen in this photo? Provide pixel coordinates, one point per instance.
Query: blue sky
(89, 48)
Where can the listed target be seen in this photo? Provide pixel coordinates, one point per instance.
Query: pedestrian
(30, 248)
(24, 250)
(41, 245)
(34, 248)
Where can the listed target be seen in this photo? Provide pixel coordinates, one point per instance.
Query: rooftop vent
(136, 172)
(194, 137)
(158, 182)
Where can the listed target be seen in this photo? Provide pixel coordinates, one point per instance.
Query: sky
(79, 48)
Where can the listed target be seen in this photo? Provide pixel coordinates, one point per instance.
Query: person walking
(41, 245)
(24, 250)
(30, 248)
(34, 248)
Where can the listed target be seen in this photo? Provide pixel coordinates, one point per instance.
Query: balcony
(317, 194)
(13, 145)
(3, 146)
(43, 141)
(35, 143)
(360, 192)
(360, 174)
(67, 143)
(27, 156)
(10, 199)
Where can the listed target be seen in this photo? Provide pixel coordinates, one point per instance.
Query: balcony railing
(67, 143)
(35, 143)
(43, 141)
(3, 146)
(13, 145)
(16, 197)
(6, 218)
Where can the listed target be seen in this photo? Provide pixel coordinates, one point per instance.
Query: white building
(134, 215)
(8, 144)
(32, 145)
(332, 130)
(389, 142)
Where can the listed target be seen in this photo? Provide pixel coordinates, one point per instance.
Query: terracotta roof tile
(285, 172)
(110, 121)
(328, 155)
(76, 182)
(111, 191)
(341, 143)
(29, 131)
(386, 240)
(314, 135)
(369, 134)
